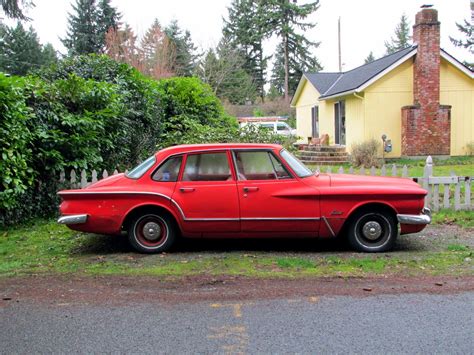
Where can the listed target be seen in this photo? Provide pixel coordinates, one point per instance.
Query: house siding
(383, 102)
(457, 90)
(307, 99)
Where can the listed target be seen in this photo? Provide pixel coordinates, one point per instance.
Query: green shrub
(16, 175)
(141, 98)
(470, 148)
(365, 154)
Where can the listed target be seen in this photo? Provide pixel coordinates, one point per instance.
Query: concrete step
(324, 148)
(309, 153)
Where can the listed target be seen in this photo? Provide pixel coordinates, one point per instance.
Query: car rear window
(169, 170)
(142, 168)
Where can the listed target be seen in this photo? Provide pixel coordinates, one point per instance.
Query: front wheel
(372, 231)
(152, 233)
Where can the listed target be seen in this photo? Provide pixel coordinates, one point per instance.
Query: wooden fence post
(467, 192)
(427, 172)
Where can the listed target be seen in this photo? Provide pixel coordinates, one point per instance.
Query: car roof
(184, 148)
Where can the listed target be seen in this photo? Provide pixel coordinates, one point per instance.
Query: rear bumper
(415, 219)
(73, 219)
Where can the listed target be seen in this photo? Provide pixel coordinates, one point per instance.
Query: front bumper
(423, 218)
(73, 219)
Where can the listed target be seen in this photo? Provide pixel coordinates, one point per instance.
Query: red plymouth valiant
(243, 191)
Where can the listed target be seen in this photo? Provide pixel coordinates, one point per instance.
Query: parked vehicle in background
(277, 127)
(275, 124)
(242, 191)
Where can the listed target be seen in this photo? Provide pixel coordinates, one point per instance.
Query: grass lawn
(44, 247)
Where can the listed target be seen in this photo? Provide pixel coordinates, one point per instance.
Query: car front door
(271, 198)
(206, 193)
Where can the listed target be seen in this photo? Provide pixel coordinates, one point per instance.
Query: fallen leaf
(438, 283)
(367, 289)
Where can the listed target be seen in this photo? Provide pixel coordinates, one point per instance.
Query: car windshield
(142, 168)
(298, 167)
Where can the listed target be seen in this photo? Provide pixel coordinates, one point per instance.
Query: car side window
(259, 165)
(282, 127)
(169, 170)
(207, 167)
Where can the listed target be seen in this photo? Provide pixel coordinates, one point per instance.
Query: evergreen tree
(245, 30)
(370, 58)
(223, 70)
(285, 17)
(185, 50)
(48, 55)
(20, 50)
(88, 25)
(402, 38)
(14, 8)
(467, 30)
(298, 63)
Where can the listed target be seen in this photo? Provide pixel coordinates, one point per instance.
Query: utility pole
(339, 42)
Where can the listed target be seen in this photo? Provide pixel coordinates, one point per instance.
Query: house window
(315, 121)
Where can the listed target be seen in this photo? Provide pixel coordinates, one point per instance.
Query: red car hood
(361, 180)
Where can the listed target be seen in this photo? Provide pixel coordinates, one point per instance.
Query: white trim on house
(445, 55)
(298, 90)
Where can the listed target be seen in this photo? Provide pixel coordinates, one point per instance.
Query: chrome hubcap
(372, 230)
(152, 231)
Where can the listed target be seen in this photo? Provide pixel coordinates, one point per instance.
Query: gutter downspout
(358, 96)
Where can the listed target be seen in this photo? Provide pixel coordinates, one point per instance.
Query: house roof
(356, 77)
(356, 80)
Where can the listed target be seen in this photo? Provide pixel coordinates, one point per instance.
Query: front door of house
(340, 122)
(315, 121)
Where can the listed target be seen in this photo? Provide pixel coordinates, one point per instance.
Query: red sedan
(242, 191)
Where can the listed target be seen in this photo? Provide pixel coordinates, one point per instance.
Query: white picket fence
(443, 191)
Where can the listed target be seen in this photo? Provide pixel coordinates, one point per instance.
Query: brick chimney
(426, 126)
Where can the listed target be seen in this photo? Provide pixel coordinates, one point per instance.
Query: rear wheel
(372, 231)
(152, 233)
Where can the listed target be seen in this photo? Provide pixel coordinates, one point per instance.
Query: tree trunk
(287, 71)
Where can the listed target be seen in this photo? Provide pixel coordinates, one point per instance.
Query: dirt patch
(65, 290)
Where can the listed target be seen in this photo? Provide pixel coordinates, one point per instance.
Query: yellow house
(420, 97)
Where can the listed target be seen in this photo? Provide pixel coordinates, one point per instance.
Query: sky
(365, 24)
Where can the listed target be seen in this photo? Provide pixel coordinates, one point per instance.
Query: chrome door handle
(186, 189)
(251, 188)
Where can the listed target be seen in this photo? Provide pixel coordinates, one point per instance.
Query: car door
(206, 193)
(271, 198)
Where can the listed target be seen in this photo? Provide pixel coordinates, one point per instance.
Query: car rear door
(206, 193)
(271, 198)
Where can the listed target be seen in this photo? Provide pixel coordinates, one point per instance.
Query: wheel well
(368, 207)
(147, 209)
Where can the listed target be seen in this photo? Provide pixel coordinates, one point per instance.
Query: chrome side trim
(414, 218)
(329, 226)
(211, 219)
(178, 207)
(113, 193)
(281, 219)
(73, 219)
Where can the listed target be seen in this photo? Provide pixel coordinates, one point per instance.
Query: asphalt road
(406, 323)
